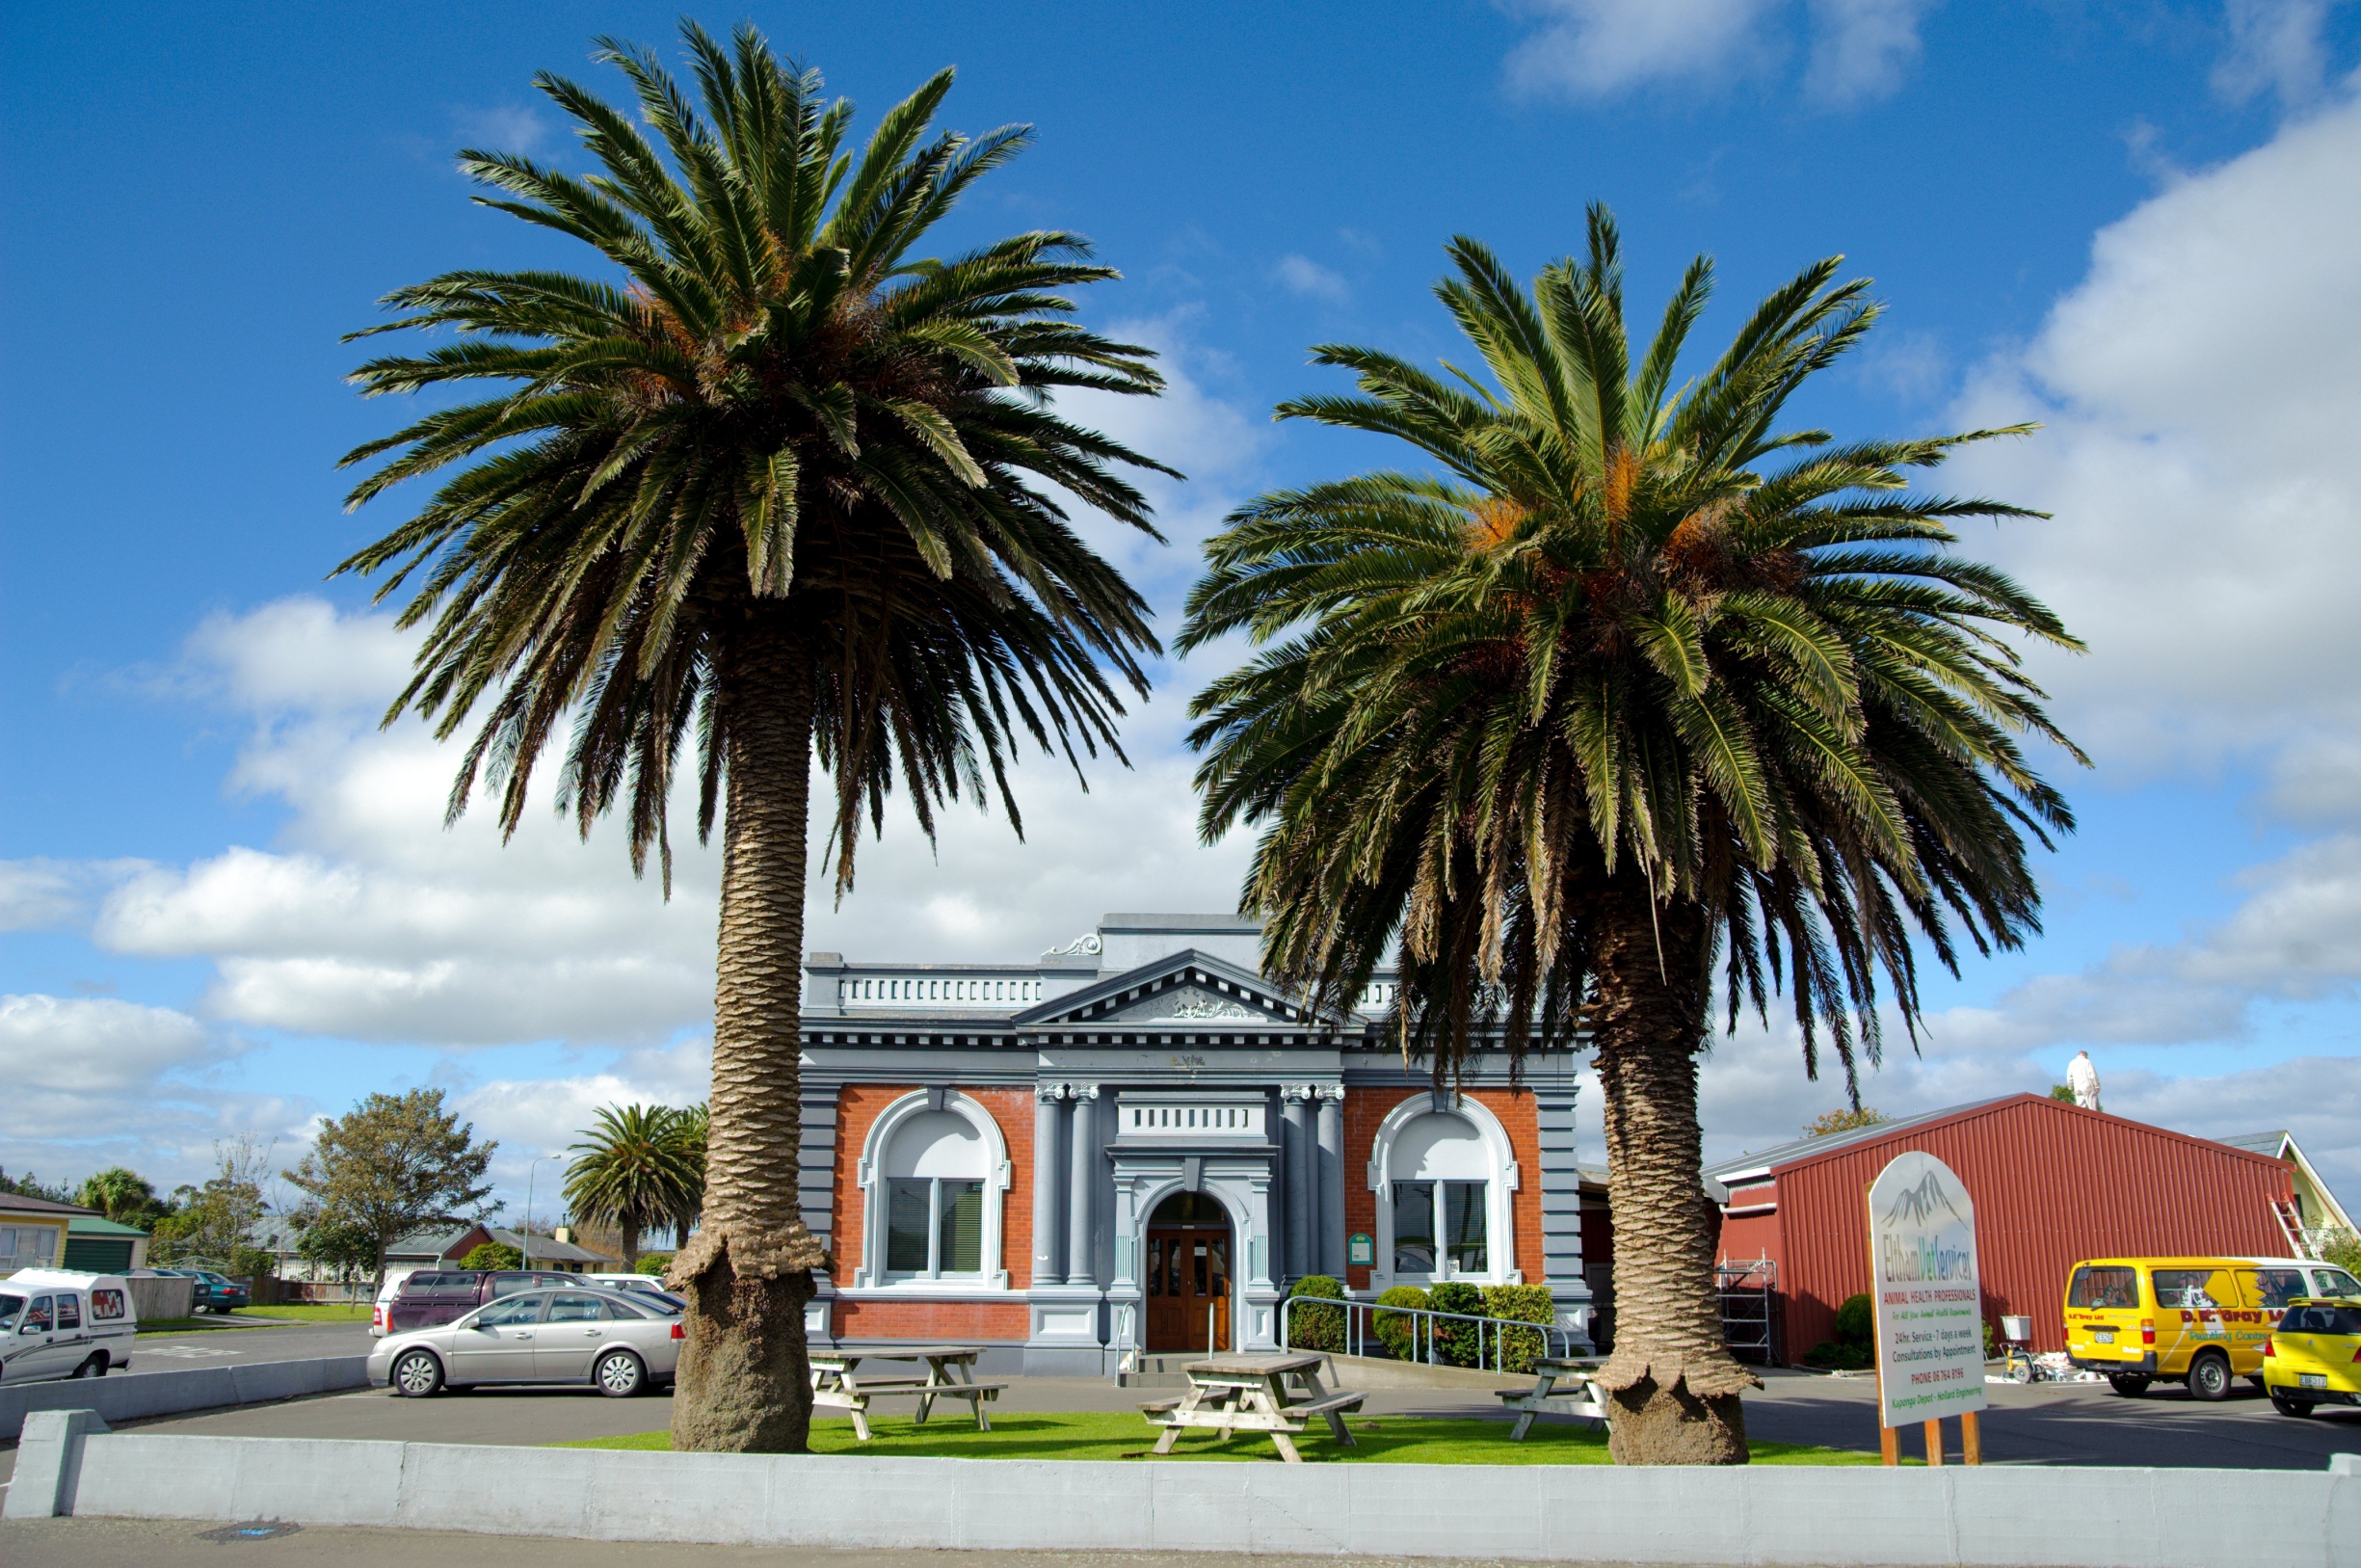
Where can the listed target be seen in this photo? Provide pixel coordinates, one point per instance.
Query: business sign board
(1927, 1290)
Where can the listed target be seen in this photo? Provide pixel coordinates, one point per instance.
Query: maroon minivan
(432, 1297)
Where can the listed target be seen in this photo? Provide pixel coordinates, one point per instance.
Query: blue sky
(227, 905)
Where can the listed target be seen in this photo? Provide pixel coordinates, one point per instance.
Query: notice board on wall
(1928, 1292)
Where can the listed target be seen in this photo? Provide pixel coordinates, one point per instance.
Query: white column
(1296, 1147)
(1082, 1145)
(1048, 1189)
(1331, 1163)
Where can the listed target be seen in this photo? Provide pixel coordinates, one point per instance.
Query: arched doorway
(1189, 1257)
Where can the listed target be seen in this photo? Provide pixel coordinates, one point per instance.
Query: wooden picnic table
(1584, 1398)
(1230, 1393)
(837, 1383)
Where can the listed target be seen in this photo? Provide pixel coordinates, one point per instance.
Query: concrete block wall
(170, 1393)
(1947, 1518)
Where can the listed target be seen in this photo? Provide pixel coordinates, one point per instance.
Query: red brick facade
(858, 1107)
(1366, 1110)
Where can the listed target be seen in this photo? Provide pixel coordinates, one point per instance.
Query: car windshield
(10, 1307)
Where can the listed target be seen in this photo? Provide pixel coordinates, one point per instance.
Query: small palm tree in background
(772, 481)
(1639, 682)
(639, 1169)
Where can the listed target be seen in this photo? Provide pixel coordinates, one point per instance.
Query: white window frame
(1501, 1184)
(876, 1199)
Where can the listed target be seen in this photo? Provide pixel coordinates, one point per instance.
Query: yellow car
(2313, 1357)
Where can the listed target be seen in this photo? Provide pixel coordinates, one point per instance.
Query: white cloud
(1302, 275)
(1594, 48)
(501, 127)
(40, 892)
(2198, 392)
(1860, 49)
(2274, 46)
(85, 1068)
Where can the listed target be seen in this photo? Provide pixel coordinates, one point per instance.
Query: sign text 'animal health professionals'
(1929, 1300)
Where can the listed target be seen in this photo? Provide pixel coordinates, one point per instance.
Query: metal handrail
(1358, 1333)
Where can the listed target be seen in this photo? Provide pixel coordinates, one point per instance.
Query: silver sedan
(619, 1344)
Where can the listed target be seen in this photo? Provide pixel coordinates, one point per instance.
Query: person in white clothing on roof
(2083, 1079)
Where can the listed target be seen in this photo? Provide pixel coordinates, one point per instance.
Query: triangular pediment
(1182, 990)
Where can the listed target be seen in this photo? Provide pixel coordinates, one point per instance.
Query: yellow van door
(2195, 1309)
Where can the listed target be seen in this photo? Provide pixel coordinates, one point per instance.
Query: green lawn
(335, 1311)
(1402, 1439)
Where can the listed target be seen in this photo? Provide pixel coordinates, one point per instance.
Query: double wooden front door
(1188, 1287)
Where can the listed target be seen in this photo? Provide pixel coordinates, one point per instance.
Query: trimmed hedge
(1392, 1327)
(1458, 1344)
(1315, 1328)
(1520, 1304)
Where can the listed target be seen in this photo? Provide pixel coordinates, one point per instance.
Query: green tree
(214, 1223)
(492, 1254)
(342, 1247)
(637, 1169)
(1637, 682)
(1842, 1120)
(773, 479)
(2060, 1092)
(123, 1196)
(393, 1163)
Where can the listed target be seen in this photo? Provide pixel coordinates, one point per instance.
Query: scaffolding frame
(1747, 1295)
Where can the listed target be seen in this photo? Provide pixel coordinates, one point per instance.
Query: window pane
(1463, 1220)
(962, 1250)
(905, 1224)
(2272, 1287)
(1414, 1227)
(70, 1312)
(1155, 1266)
(2105, 1290)
(2191, 1288)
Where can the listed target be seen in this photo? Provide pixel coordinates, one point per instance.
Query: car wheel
(417, 1375)
(2209, 1377)
(2130, 1385)
(94, 1367)
(619, 1374)
(2299, 1408)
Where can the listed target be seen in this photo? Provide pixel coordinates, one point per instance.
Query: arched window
(1442, 1181)
(934, 1172)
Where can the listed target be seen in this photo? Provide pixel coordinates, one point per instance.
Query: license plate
(2104, 1336)
(2312, 1380)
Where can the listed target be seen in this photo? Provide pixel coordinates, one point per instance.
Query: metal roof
(1762, 1161)
(16, 1203)
(91, 1225)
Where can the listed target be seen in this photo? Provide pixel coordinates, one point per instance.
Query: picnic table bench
(1231, 1393)
(1584, 1398)
(837, 1383)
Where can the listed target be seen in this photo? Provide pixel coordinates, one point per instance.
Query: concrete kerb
(171, 1393)
(2100, 1518)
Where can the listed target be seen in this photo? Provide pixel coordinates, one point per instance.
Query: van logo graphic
(1917, 1204)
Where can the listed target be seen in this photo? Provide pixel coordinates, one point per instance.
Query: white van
(644, 1284)
(57, 1322)
(2281, 1280)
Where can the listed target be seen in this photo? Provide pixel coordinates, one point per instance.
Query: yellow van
(2197, 1321)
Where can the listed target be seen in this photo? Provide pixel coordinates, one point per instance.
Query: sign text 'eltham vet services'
(1930, 1319)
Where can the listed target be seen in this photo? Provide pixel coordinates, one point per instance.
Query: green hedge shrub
(1520, 1304)
(1857, 1322)
(492, 1254)
(1830, 1356)
(1315, 1328)
(1392, 1327)
(655, 1262)
(1456, 1343)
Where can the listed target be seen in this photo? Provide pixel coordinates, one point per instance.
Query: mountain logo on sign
(1919, 1204)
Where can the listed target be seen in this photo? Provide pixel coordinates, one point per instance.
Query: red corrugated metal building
(2052, 1183)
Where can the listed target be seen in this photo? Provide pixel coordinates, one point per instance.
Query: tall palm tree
(1635, 680)
(770, 478)
(693, 1129)
(635, 1170)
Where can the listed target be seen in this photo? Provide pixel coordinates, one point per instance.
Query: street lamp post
(524, 1232)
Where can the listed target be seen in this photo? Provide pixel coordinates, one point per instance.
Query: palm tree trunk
(1675, 1384)
(631, 1248)
(744, 1381)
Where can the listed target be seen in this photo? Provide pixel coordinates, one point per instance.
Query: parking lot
(183, 1349)
(2045, 1424)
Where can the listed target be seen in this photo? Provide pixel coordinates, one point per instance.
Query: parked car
(621, 1344)
(214, 1292)
(2313, 1357)
(57, 1322)
(433, 1296)
(640, 1284)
